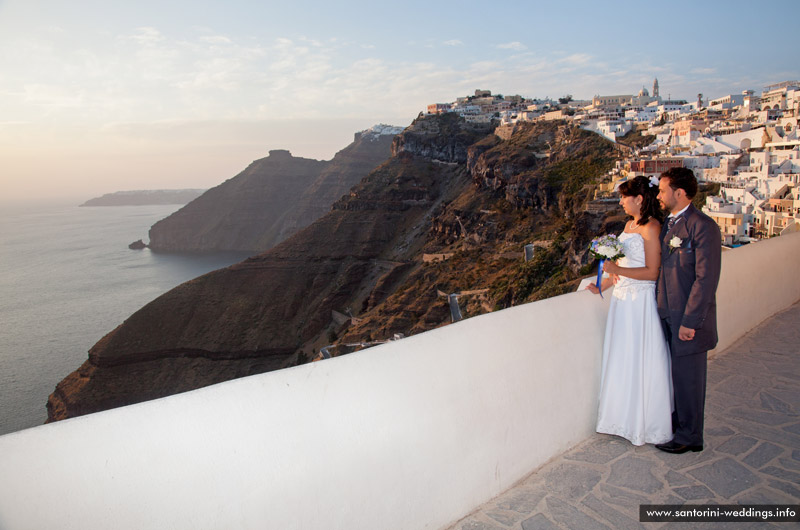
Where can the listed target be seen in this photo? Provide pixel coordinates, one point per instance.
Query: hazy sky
(105, 95)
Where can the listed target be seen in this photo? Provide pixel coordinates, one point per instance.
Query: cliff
(144, 197)
(450, 188)
(271, 199)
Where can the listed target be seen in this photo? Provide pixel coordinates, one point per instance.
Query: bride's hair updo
(648, 189)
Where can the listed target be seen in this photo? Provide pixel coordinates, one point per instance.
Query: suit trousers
(689, 387)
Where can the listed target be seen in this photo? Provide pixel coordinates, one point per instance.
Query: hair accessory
(653, 181)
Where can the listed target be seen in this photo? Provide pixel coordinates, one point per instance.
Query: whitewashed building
(734, 219)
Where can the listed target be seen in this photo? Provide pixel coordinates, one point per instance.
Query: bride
(636, 387)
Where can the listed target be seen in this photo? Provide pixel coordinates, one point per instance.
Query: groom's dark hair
(683, 178)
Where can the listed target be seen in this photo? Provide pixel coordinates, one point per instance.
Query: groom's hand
(685, 333)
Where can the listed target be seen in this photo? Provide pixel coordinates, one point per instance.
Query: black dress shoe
(678, 449)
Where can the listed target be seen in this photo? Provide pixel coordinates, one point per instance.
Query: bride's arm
(652, 256)
(604, 284)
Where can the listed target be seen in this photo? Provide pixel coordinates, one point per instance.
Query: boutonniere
(674, 243)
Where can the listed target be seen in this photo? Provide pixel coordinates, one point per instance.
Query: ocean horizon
(67, 278)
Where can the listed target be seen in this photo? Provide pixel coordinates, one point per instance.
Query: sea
(67, 277)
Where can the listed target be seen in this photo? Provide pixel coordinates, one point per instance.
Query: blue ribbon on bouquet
(600, 277)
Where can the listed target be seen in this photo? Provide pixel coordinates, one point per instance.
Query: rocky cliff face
(271, 199)
(450, 189)
(445, 139)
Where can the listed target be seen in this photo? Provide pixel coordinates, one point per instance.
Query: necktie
(671, 222)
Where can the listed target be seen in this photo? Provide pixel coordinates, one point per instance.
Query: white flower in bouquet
(607, 247)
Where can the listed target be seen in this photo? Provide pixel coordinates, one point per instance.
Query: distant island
(145, 197)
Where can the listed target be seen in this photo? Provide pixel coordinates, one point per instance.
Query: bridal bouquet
(607, 247)
(603, 248)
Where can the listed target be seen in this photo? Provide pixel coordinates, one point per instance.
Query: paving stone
(777, 356)
(616, 518)
(770, 402)
(676, 479)
(744, 345)
(716, 376)
(473, 524)
(603, 450)
(693, 493)
(634, 473)
(777, 344)
(764, 433)
(748, 360)
(762, 454)
(794, 428)
(790, 395)
(622, 497)
(716, 408)
(570, 516)
(522, 500)
(538, 522)
(785, 487)
(759, 416)
(725, 477)
(737, 445)
(737, 386)
(719, 431)
(626, 500)
(669, 499)
(791, 465)
(775, 364)
(571, 481)
(504, 517)
(789, 378)
(796, 455)
(763, 495)
(783, 474)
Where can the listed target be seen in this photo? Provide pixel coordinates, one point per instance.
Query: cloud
(216, 39)
(148, 36)
(52, 97)
(577, 59)
(150, 75)
(516, 46)
(703, 71)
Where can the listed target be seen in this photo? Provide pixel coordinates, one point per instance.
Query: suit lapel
(680, 229)
(680, 224)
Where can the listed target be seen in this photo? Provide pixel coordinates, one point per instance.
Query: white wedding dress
(636, 385)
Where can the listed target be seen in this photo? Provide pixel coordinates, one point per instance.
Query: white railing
(412, 434)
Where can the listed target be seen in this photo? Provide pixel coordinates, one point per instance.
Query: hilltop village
(747, 144)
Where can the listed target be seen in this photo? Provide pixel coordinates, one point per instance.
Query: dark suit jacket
(687, 284)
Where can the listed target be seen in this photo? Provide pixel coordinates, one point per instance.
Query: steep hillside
(367, 269)
(531, 189)
(271, 199)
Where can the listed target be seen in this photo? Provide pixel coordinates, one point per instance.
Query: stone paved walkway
(751, 456)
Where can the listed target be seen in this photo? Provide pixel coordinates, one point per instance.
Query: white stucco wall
(756, 281)
(409, 435)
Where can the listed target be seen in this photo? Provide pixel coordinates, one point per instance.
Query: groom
(691, 248)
